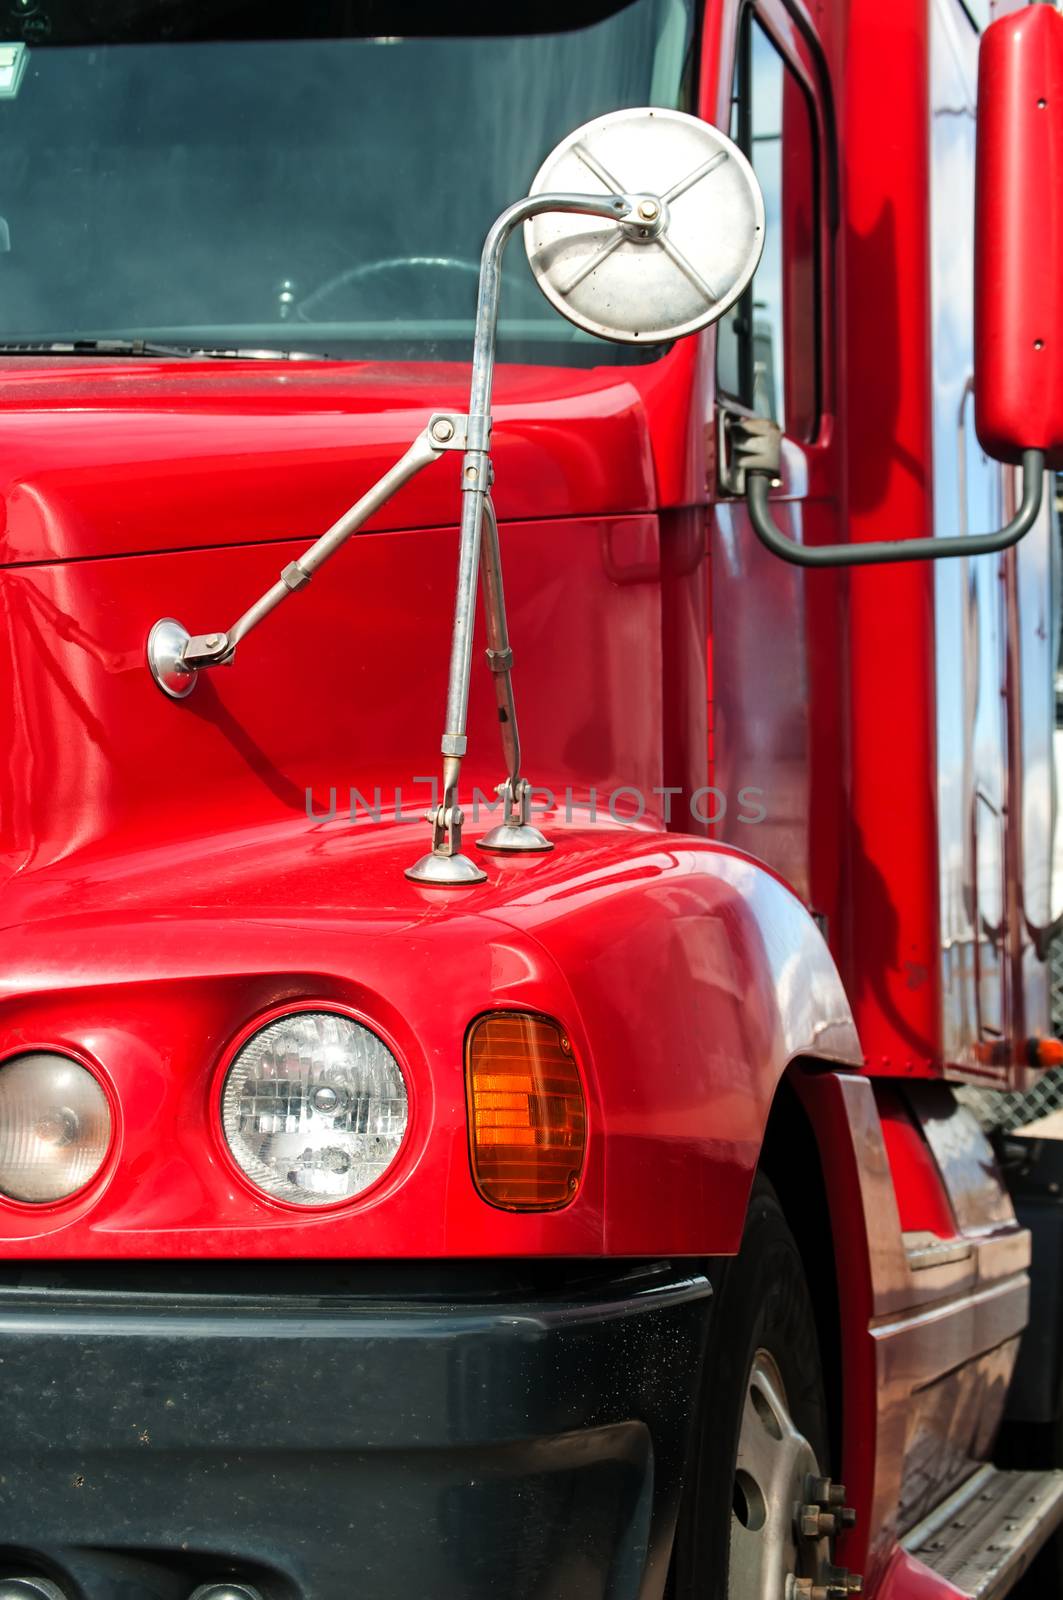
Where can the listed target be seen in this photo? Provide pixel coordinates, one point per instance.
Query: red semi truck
(576, 1195)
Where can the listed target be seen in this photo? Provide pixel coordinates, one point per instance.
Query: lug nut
(825, 1492)
(840, 1585)
(816, 1524)
(824, 1513)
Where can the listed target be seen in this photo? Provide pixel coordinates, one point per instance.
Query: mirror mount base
(167, 643)
(745, 444)
(516, 832)
(441, 871)
(515, 839)
(446, 866)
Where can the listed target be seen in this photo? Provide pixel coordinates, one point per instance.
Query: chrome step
(984, 1536)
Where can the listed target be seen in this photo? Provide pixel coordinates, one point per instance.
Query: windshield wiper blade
(149, 347)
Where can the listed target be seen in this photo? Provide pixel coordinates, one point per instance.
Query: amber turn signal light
(527, 1112)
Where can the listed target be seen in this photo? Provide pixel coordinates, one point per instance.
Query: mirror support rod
(516, 830)
(879, 552)
(446, 864)
(177, 657)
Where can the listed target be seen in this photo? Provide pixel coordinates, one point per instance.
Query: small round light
(314, 1108)
(55, 1128)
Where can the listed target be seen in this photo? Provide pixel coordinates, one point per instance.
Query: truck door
(774, 631)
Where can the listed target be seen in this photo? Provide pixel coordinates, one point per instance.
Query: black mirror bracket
(750, 453)
(745, 444)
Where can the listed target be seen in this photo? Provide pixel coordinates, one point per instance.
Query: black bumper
(395, 1442)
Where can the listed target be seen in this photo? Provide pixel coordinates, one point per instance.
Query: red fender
(686, 974)
(697, 977)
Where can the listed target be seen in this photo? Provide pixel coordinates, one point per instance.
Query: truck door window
(768, 344)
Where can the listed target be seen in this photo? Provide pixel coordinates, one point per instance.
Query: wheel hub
(784, 1513)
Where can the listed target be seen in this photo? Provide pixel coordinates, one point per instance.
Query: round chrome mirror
(685, 253)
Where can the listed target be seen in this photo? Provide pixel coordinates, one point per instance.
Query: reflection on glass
(767, 345)
(325, 193)
(766, 137)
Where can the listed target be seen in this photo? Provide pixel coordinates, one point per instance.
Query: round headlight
(55, 1128)
(314, 1108)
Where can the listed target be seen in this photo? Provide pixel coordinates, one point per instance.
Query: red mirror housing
(1018, 294)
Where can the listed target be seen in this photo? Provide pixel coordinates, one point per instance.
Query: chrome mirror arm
(445, 864)
(516, 830)
(757, 459)
(177, 657)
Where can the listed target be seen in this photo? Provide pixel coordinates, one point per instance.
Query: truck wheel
(762, 1431)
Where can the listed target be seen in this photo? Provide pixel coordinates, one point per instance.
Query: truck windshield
(244, 174)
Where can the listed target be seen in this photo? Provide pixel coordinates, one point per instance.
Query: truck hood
(103, 457)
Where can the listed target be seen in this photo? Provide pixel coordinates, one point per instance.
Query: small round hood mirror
(683, 255)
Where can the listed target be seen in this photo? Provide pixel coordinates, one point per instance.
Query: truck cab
(574, 1195)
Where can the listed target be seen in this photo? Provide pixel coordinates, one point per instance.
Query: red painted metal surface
(892, 959)
(338, 689)
(686, 697)
(865, 1241)
(906, 1578)
(164, 890)
(665, 960)
(164, 886)
(922, 1199)
(928, 1340)
(1018, 284)
(211, 475)
(866, 707)
(105, 458)
(778, 700)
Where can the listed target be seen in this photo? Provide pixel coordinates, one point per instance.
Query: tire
(762, 1304)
